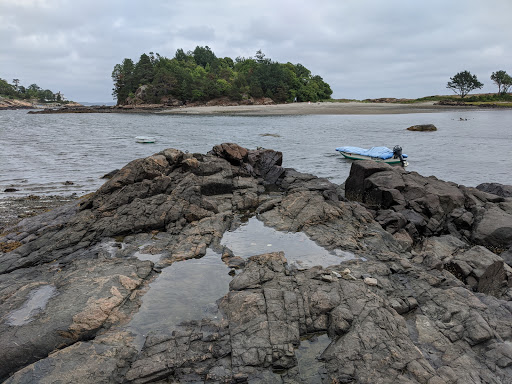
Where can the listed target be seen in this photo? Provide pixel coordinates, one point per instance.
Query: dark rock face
(421, 304)
(423, 128)
(430, 207)
(496, 189)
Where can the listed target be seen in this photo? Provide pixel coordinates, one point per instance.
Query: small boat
(145, 139)
(381, 154)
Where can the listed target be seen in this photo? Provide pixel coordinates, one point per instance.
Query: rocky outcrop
(418, 303)
(496, 189)
(14, 104)
(426, 206)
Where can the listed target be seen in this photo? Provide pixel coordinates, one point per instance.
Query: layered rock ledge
(427, 299)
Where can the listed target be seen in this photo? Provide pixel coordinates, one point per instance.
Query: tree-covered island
(200, 76)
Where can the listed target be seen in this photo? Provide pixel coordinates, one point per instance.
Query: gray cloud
(362, 48)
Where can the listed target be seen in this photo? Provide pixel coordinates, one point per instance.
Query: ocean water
(68, 153)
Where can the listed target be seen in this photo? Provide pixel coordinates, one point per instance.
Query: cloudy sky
(362, 48)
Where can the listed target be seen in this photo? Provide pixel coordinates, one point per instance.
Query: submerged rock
(423, 128)
(420, 303)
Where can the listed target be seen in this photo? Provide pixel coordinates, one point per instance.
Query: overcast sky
(362, 48)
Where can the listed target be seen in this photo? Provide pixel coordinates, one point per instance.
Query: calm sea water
(39, 153)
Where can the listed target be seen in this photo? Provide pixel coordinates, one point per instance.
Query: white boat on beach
(145, 139)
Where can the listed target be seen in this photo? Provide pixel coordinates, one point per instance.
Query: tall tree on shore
(463, 83)
(122, 75)
(502, 80)
(16, 83)
(6, 88)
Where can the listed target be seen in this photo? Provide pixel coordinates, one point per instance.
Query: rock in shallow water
(423, 128)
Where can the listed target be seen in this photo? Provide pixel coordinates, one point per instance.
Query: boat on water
(145, 139)
(380, 154)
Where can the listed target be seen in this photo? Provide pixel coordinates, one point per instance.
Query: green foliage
(123, 79)
(204, 56)
(463, 83)
(143, 72)
(494, 97)
(6, 89)
(200, 75)
(502, 80)
(33, 91)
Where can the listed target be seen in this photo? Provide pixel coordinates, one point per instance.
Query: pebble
(371, 281)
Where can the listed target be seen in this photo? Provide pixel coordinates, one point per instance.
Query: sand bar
(325, 108)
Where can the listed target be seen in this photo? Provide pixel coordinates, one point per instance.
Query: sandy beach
(320, 108)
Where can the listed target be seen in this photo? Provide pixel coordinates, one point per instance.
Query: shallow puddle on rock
(254, 238)
(36, 302)
(186, 290)
(311, 369)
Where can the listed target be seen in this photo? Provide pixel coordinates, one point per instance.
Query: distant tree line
(200, 75)
(464, 82)
(33, 91)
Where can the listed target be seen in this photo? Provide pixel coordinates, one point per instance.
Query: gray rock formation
(426, 206)
(496, 188)
(424, 301)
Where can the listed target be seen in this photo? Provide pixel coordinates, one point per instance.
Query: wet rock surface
(425, 301)
(423, 128)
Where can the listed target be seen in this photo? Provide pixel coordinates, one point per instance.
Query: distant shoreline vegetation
(32, 93)
(200, 76)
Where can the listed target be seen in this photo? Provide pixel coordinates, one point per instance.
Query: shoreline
(319, 108)
(290, 109)
(15, 209)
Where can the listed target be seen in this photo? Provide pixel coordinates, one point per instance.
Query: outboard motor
(397, 154)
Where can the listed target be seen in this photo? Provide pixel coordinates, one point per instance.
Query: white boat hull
(145, 139)
(354, 156)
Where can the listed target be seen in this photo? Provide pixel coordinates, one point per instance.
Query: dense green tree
(22, 91)
(502, 80)
(6, 89)
(463, 83)
(123, 78)
(181, 56)
(200, 76)
(34, 88)
(46, 96)
(143, 71)
(204, 56)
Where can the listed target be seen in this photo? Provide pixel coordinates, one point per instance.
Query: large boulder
(496, 188)
(493, 228)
